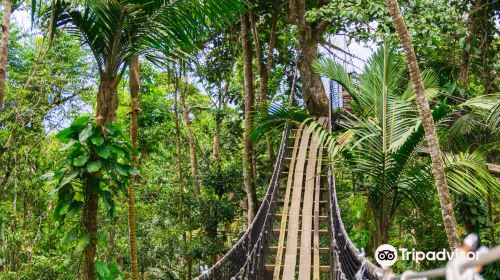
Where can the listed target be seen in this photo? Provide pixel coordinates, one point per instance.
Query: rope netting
(246, 259)
(347, 261)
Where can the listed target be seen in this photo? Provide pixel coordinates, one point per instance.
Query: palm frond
(431, 84)
(116, 30)
(482, 113)
(275, 119)
(467, 173)
(335, 71)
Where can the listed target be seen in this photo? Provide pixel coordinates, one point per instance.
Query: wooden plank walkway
(301, 217)
(293, 225)
(307, 211)
(284, 214)
(317, 197)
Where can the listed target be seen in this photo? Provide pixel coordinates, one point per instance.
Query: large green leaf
(94, 166)
(83, 242)
(102, 270)
(75, 207)
(97, 140)
(66, 134)
(81, 160)
(85, 134)
(70, 144)
(108, 202)
(68, 178)
(70, 237)
(81, 122)
(104, 152)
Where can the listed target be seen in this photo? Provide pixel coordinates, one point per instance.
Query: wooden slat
(322, 232)
(321, 175)
(321, 218)
(307, 211)
(293, 225)
(316, 248)
(281, 240)
(321, 202)
(323, 268)
(322, 250)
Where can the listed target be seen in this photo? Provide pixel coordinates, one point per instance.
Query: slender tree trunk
(178, 148)
(491, 221)
(4, 48)
(216, 143)
(310, 35)
(472, 24)
(264, 68)
(190, 136)
(90, 223)
(218, 126)
(134, 84)
(249, 96)
(107, 102)
(177, 130)
(437, 163)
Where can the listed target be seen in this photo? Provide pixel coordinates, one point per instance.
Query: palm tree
(381, 140)
(389, 133)
(116, 31)
(424, 110)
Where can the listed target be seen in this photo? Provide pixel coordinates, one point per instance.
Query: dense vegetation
(137, 137)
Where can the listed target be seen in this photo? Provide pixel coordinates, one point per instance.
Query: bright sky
(361, 51)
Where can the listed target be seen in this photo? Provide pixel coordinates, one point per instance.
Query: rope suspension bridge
(298, 232)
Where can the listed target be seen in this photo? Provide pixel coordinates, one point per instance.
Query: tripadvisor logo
(386, 255)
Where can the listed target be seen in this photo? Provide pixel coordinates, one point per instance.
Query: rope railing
(246, 259)
(346, 261)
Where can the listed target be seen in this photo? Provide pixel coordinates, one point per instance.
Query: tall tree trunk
(264, 68)
(382, 231)
(90, 223)
(134, 84)
(107, 102)
(180, 181)
(249, 96)
(216, 143)
(190, 136)
(437, 163)
(310, 35)
(4, 48)
(178, 148)
(472, 25)
(382, 220)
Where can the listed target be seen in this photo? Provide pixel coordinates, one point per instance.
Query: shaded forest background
(185, 106)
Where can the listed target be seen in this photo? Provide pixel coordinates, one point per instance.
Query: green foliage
(178, 231)
(160, 30)
(97, 160)
(108, 271)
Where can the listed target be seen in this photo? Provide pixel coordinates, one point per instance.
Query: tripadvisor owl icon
(386, 255)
